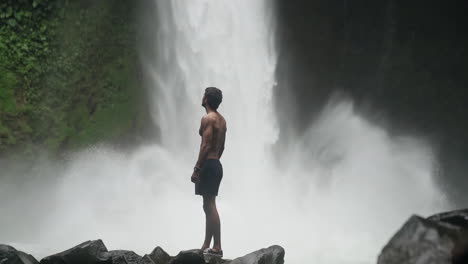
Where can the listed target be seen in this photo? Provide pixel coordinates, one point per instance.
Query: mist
(334, 194)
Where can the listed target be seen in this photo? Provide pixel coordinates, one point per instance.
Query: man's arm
(206, 143)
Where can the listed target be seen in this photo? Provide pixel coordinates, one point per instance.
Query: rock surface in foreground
(273, 255)
(9, 255)
(158, 256)
(194, 256)
(95, 252)
(92, 252)
(439, 239)
(128, 257)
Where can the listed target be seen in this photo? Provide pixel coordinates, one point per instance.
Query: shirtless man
(208, 172)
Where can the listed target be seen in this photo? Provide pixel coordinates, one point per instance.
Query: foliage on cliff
(68, 74)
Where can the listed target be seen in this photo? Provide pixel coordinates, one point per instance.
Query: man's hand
(195, 177)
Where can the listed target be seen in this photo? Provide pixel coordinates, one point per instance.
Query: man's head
(212, 98)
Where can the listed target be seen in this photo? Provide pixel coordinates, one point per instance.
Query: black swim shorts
(211, 174)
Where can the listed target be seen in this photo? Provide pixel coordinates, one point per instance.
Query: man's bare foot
(217, 249)
(213, 252)
(204, 247)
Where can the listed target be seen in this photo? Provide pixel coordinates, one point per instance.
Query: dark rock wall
(404, 62)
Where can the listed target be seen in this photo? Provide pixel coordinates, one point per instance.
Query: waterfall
(347, 184)
(214, 43)
(343, 188)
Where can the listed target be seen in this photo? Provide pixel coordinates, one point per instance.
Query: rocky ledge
(438, 239)
(95, 252)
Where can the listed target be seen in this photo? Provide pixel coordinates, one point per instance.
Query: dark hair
(214, 97)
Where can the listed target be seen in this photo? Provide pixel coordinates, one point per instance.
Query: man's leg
(208, 231)
(213, 225)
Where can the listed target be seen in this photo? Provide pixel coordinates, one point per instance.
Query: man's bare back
(213, 131)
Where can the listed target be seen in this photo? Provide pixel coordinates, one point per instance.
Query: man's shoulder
(223, 120)
(208, 119)
(213, 116)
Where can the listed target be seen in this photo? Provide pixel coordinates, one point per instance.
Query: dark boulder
(158, 256)
(9, 255)
(215, 260)
(89, 252)
(271, 255)
(428, 241)
(127, 257)
(194, 256)
(456, 218)
(95, 252)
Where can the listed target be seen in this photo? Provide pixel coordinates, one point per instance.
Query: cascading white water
(346, 186)
(214, 43)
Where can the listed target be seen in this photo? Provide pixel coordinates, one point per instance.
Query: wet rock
(158, 256)
(271, 255)
(95, 252)
(426, 241)
(89, 252)
(9, 255)
(215, 260)
(193, 256)
(457, 218)
(128, 257)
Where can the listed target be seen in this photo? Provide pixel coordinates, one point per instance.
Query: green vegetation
(68, 74)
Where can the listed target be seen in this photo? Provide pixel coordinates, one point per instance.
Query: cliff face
(69, 75)
(406, 61)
